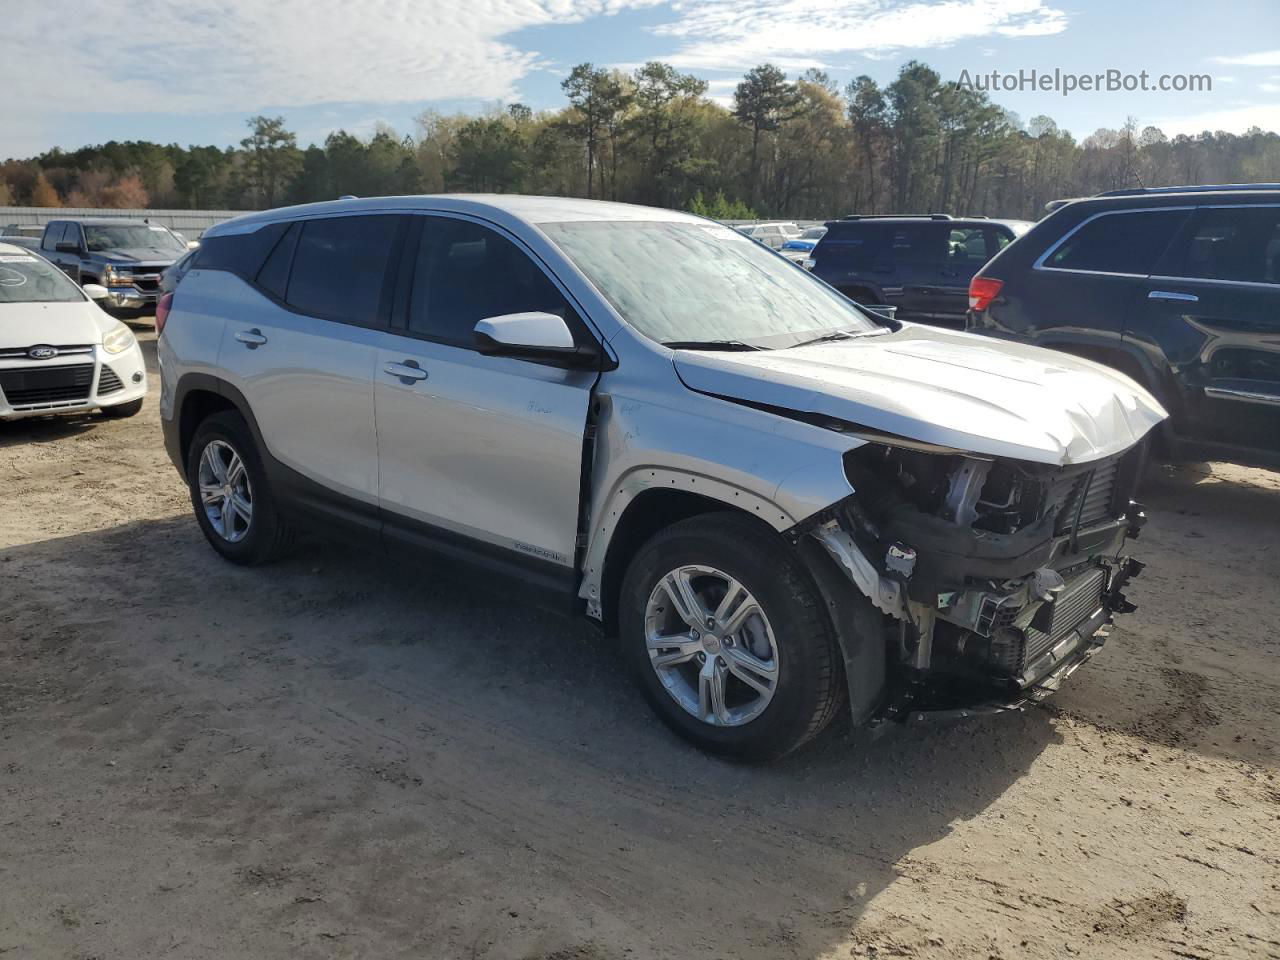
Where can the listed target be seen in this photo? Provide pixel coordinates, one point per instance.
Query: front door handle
(1173, 295)
(407, 372)
(251, 338)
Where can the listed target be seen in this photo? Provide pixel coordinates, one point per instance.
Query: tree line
(796, 148)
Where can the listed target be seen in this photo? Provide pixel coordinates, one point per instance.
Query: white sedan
(59, 351)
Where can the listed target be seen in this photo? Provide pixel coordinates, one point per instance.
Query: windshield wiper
(842, 335)
(709, 345)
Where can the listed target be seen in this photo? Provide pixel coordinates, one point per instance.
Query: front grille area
(108, 382)
(21, 353)
(1080, 600)
(38, 386)
(149, 284)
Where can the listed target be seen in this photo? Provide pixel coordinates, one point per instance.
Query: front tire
(729, 639)
(230, 494)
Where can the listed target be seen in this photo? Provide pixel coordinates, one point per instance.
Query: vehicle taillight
(162, 311)
(982, 290)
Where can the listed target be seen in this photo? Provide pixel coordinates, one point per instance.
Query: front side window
(466, 273)
(1233, 243)
(340, 266)
(143, 239)
(967, 246)
(1118, 242)
(678, 282)
(26, 278)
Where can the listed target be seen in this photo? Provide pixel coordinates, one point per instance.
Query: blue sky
(203, 66)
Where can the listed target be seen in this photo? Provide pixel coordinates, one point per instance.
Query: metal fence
(191, 223)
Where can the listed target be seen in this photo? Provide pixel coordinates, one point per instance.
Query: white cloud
(244, 55)
(1264, 58)
(794, 34)
(1235, 119)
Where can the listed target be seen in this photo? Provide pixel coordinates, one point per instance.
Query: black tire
(268, 536)
(810, 688)
(121, 410)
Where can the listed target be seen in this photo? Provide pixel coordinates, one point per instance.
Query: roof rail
(1189, 188)
(897, 216)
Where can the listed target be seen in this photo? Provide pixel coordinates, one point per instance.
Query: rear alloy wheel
(729, 638)
(230, 494)
(225, 491)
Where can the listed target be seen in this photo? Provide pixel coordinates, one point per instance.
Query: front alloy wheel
(729, 638)
(711, 645)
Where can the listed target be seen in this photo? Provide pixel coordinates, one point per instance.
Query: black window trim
(1039, 264)
(408, 261)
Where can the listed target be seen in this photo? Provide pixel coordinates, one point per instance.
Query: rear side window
(239, 253)
(1118, 242)
(1232, 243)
(919, 243)
(466, 273)
(340, 267)
(856, 244)
(53, 235)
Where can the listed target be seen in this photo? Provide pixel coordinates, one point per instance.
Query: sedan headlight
(119, 339)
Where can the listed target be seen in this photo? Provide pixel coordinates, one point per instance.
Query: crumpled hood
(56, 324)
(951, 389)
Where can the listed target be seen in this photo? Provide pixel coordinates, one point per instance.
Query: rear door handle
(406, 372)
(251, 338)
(1173, 295)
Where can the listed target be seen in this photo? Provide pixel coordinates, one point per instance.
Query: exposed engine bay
(1001, 576)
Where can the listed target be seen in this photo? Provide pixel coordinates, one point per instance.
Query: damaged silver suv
(784, 505)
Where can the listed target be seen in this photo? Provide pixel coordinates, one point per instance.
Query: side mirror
(95, 291)
(532, 336)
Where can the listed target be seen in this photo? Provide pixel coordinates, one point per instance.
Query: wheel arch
(648, 501)
(197, 397)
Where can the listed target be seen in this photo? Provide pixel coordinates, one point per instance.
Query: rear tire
(121, 410)
(230, 493)
(779, 673)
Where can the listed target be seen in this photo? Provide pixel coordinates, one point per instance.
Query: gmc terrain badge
(42, 352)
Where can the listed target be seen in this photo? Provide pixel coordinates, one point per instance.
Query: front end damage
(993, 579)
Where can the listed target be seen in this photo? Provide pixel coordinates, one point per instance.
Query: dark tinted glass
(1233, 243)
(274, 275)
(241, 253)
(853, 243)
(340, 266)
(465, 273)
(1119, 242)
(53, 235)
(919, 243)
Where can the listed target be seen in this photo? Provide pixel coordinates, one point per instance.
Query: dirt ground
(335, 757)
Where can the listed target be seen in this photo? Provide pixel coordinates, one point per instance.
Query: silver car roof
(510, 210)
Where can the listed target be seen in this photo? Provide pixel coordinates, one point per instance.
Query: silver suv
(783, 505)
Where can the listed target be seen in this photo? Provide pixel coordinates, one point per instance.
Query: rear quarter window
(1117, 242)
(239, 253)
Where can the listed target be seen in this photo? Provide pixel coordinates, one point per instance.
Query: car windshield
(26, 278)
(703, 283)
(814, 233)
(128, 236)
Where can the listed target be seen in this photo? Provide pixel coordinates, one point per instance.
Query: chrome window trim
(1262, 284)
(1242, 396)
(1040, 261)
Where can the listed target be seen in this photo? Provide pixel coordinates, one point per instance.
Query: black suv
(1179, 287)
(125, 256)
(920, 264)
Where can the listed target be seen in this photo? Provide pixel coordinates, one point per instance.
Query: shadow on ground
(336, 752)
